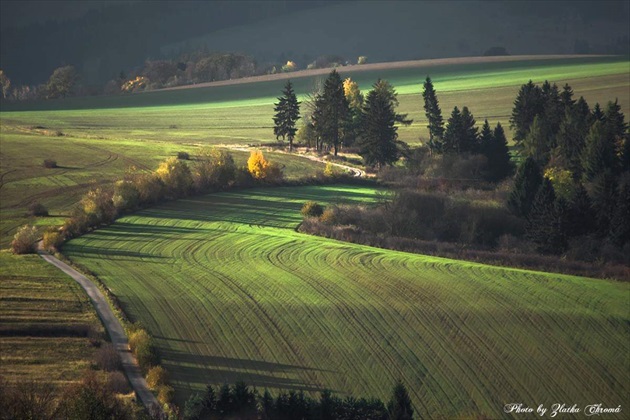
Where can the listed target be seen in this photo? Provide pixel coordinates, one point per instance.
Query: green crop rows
(232, 292)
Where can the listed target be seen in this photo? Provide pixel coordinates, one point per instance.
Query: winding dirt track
(115, 331)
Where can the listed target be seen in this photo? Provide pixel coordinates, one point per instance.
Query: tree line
(241, 401)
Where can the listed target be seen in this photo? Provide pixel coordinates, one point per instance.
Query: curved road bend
(115, 330)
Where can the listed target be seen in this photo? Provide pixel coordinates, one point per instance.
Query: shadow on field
(218, 370)
(83, 251)
(270, 207)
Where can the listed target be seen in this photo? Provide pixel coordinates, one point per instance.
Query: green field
(43, 314)
(232, 292)
(104, 136)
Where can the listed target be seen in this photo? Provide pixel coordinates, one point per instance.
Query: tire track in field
(259, 309)
(411, 310)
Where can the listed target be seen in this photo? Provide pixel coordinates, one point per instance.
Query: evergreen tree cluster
(557, 136)
(462, 137)
(240, 401)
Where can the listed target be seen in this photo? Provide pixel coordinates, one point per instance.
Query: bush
(50, 163)
(117, 383)
(329, 215)
(183, 155)
(141, 345)
(107, 358)
(262, 169)
(150, 188)
(362, 59)
(126, 196)
(176, 176)
(156, 377)
(165, 394)
(215, 169)
(25, 240)
(52, 239)
(331, 171)
(98, 206)
(37, 209)
(312, 209)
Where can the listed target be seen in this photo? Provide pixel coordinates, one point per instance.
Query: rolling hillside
(231, 292)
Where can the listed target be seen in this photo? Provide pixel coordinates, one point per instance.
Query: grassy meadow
(44, 317)
(232, 292)
(96, 139)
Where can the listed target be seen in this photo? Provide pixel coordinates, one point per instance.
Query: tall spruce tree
(581, 214)
(566, 97)
(434, 116)
(379, 143)
(470, 140)
(598, 114)
(485, 138)
(599, 152)
(546, 221)
(570, 142)
(603, 193)
(620, 222)
(332, 112)
(526, 184)
(614, 122)
(553, 111)
(287, 114)
(536, 143)
(498, 155)
(454, 133)
(528, 104)
(399, 406)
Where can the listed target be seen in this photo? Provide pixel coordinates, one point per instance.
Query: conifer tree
(265, 406)
(526, 184)
(625, 154)
(498, 155)
(287, 114)
(485, 137)
(379, 137)
(570, 142)
(399, 406)
(528, 104)
(209, 401)
(434, 116)
(454, 133)
(582, 216)
(332, 112)
(553, 111)
(599, 152)
(603, 193)
(536, 143)
(546, 222)
(469, 141)
(620, 222)
(614, 122)
(598, 114)
(566, 97)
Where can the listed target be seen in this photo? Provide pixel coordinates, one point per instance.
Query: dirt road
(115, 330)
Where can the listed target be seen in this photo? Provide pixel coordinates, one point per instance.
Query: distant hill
(102, 39)
(407, 30)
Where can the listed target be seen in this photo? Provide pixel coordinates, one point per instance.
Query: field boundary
(114, 329)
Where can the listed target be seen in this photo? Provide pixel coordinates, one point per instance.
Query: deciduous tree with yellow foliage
(262, 169)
